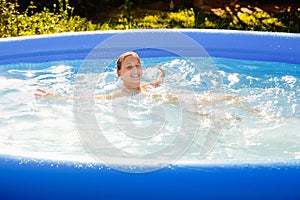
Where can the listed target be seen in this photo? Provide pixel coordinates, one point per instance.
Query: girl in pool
(129, 69)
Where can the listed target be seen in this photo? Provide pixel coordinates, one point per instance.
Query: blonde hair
(125, 55)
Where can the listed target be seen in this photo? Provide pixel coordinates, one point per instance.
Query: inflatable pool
(268, 62)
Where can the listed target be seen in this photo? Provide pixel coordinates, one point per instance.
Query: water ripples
(41, 127)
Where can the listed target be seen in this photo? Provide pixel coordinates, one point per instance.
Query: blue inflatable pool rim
(24, 178)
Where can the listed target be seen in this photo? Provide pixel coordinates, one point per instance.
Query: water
(47, 129)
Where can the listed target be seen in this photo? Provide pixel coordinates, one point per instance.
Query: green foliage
(61, 18)
(125, 20)
(127, 11)
(153, 21)
(256, 21)
(181, 19)
(8, 18)
(14, 23)
(291, 21)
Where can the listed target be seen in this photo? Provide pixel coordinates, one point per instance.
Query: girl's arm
(48, 95)
(158, 81)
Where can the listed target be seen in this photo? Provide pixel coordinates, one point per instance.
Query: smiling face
(131, 69)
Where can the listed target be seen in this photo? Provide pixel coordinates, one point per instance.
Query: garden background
(25, 17)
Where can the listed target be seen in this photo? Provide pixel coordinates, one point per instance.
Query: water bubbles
(233, 79)
(60, 69)
(289, 80)
(46, 129)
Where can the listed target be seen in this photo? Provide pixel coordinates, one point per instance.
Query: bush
(181, 19)
(14, 23)
(61, 18)
(256, 21)
(8, 19)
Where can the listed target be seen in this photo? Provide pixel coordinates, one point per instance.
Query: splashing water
(45, 128)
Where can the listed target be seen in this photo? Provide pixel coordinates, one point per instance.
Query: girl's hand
(160, 80)
(43, 94)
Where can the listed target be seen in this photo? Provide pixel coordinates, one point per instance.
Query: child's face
(131, 69)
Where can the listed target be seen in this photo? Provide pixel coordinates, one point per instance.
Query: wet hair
(125, 55)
